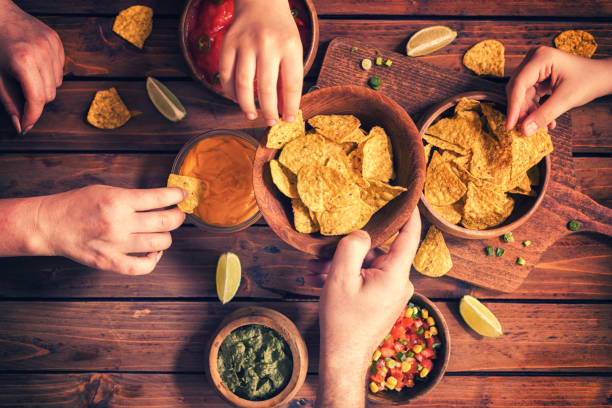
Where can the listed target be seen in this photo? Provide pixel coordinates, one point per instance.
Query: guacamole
(254, 362)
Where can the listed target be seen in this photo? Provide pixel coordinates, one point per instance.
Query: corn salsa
(406, 354)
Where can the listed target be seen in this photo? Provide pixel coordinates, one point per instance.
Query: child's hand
(263, 43)
(569, 80)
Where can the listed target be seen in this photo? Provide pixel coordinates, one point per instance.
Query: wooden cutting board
(416, 85)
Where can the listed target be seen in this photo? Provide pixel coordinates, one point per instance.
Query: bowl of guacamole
(257, 358)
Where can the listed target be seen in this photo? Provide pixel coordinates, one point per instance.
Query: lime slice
(229, 274)
(166, 103)
(479, 318)
(429, 39)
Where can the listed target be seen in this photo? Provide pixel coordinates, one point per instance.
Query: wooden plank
(518, 8)
(595, 178)
(189, 390)
(171, 336)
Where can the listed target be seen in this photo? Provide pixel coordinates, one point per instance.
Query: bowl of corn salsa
(412, 358)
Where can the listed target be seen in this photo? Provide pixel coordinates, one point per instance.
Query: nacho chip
(284, 179)
(323, 188)
(442, 186)
(107, 110)
(485, 207)
(486, 58)
(534, 175)
(335, 127)
(433, 257)
(451, 213)
(302, 220)
(576, 42)
(377, 194)
(348, 147)
(458, 131)
(523, 187)
(467, 105)
(194, 186)
(345, 220)
(311, 148)
(427, 149)
(357, 136)
(377, 162)
(283, 132)
(444, 145)
(134, 24)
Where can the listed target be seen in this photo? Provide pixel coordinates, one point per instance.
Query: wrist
(20, 228)
(341, 380)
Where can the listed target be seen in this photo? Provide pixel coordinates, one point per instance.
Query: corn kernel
(433, 330)
(431, 321)
(376, 355)
(406, 366)
(424, 372)
(373, 387)
(390, 362)
(427, 334)
(417, 348)
(391, 382)
(409, 312)
(424, 313)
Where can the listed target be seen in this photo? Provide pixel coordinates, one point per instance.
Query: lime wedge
(429, 39)
(479, 318)
(166, 103)
(229, 274)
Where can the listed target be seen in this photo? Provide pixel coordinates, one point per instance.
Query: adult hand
(263, 43)
(103, 226)
(31, 65)
(569, 80)
(365, 291)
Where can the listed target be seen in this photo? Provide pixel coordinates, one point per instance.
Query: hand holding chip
(31, 58)
(364, 292)
(570, 81)
(263, 43)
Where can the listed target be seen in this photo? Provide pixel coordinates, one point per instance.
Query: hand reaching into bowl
(365, 290)
(570, 81)
(263, 44)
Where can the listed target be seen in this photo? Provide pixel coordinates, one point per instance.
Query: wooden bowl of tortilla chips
(352, 160)
(481, 181)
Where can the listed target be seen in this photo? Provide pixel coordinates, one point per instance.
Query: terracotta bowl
(310, 50)
(435, 376)
(524, 206)
(275, 321)
(372, 108)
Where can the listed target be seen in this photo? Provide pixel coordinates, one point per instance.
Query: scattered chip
(284, 179)
(336, 128)
(576, 42)
(134, 24)
(442, 186)
(377, 161)
(486, 58)
(302, 220)
(283, 132)
(107, 110)
(433, 257)
(194, 186)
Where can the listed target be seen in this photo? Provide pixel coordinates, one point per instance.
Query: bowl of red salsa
(205, 23)
(412, 358)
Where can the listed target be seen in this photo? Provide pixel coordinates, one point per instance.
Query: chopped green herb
(377, 53)
(373, 368)
(374, 83)
(508, 237)
(294, 13)
(388, 62)
(436, 344)
(419, 367)
(526, 243)
(410, 353)
(401, 356)
(520, 261)
(489, 250)
(500, 251)
(378, 60)
(353, 49)
(404, 342)
(366, 64)
(573, 225)
(420, 330)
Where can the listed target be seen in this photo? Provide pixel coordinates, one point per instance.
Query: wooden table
(73, 336)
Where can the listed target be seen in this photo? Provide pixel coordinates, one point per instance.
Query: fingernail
(16, 123)
(271, 122)
(531, 128)
(289, 118)
(27, 129)
(251, 116)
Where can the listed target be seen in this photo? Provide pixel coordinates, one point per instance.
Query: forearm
(604, 77)
(20, 232)
(341, 383)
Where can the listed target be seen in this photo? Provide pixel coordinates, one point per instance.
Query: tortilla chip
(433, 257)
(377, 194)
(442, 186)
(348, 147)
(458, 131)
(107, 110)
(134, 24)
(284, 179)
(377, 153)
(451, 213)
(467, 105)
(444, 145)
(194, 186)
(335, 127)
(576, 42)
(357, 136)
(534, 175)
(486, 58)
(485, 207)
(323, 188)
(302, 220)
(427, 149)
(345, 220)
(311, 148)
(283, 132)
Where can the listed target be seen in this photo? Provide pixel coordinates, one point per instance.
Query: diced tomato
(407, 321)
(387, 352)
(398, 347)
(379, 376)
(427, 363)
(419, 357)
(427, 353)
(430, 341)
(414, 339)
(388, 343)
(396, 372)
(398, 332)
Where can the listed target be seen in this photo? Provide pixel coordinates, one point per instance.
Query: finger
(48, 79)
(158, 221)
(555, 106)
(243, 82)
(141, 243)
(552, 124)
(526, 77)
(136, 265)
(227, 59)
(58, 48)
(291, 77)
(267, 78)
(12, 99)
(27, 74)
(154, 198)
(348, 258)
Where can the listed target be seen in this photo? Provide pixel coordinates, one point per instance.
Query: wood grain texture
(191, 390)
(172, 336)
(519, 8)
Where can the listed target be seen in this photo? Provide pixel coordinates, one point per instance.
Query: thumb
(556, 105)
(348, 259)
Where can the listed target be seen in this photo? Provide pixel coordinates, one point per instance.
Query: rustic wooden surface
(73, 336)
